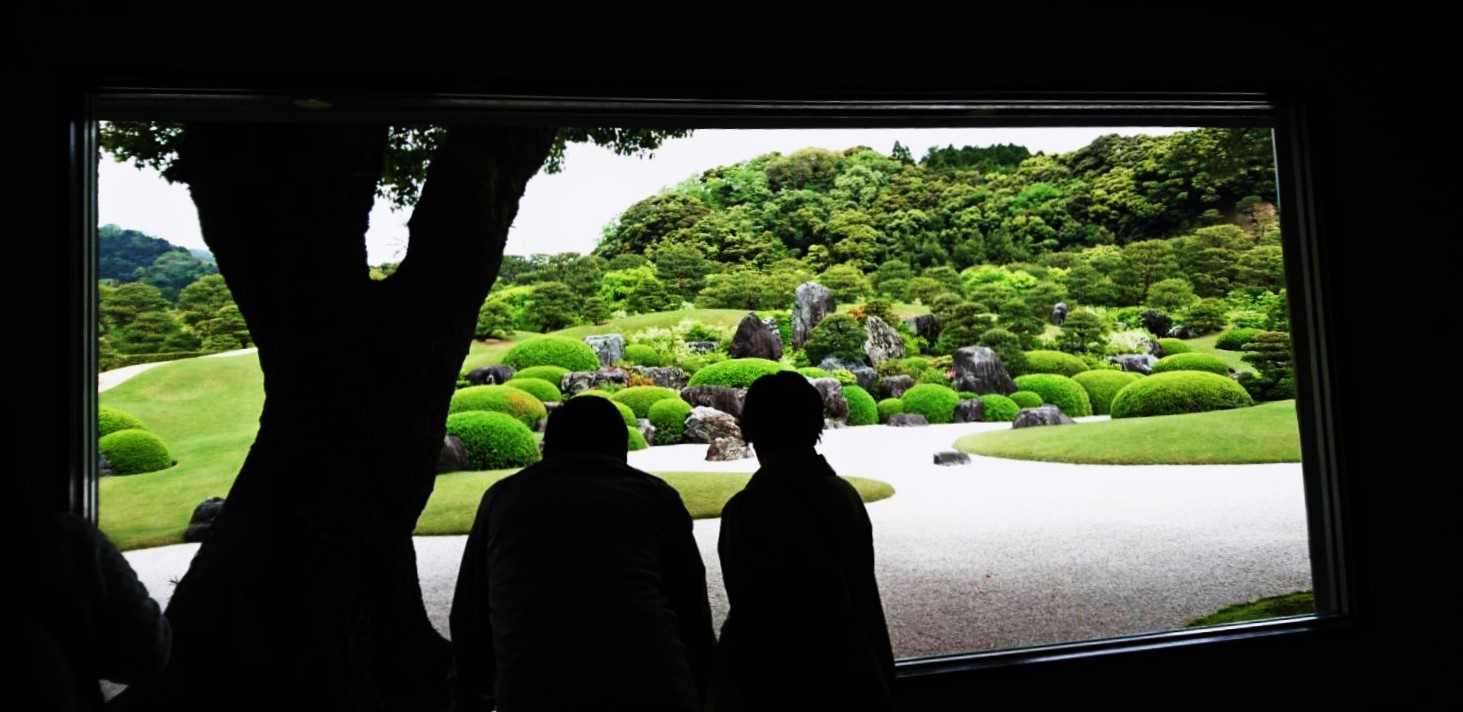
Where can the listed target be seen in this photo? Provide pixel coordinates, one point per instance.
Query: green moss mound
(493, 440)
(1060, 391)
(634, 440)
(558, 351)
(669, 418)
(936, 403)
(1290, 604)
(1173, 346)
(499, 399)
(814, 372)
(544, 391)
(640, 398)
(111, 420)
(1062, 364)
(1103, 386)
(1192, 362)
(1027, 399)
(735, 373)
(642, 355)
(1235, 339)
(1178, 392)
(552, 374)
(889, 407)
(862, 410)
(133, 452)
(1000, 409)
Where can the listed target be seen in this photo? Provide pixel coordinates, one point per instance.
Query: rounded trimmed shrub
(1060, 391)
(1027, 399)
(999, 408)
(1192, 362)
(133, 452)
(544, 391)
(552, 374)
(1235, 339)
(553, 351)
(643, 355)
(633, 439)
(669, 418)
(935, 403)
(111, 420)
(640, 398)
(735, 373)
(889, 407)
(967, 395)
(493, 440)
(1178, 392)
(1060, 363)
(499, 399)
(1173, 346)
(625, 413)
(862, 410)
(814, 372)
(1102, 386)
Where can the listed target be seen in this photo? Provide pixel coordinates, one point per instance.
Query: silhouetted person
(806, 628)
(581, 587)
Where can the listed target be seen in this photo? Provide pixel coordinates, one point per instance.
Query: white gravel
(1003, 553)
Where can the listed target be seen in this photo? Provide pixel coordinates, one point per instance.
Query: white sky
(567, 212)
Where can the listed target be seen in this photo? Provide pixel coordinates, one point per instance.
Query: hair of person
(586, 426)
(782, 411)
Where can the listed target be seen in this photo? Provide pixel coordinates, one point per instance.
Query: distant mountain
(134, 256)
(202, 254)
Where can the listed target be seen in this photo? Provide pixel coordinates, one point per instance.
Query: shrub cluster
(559, 351)
(1060, 391)
(1178, 392)
(493, 440)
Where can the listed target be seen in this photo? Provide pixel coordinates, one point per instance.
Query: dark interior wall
(1383, 219)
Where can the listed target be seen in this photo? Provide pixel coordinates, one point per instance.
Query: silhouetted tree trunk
(305, 594)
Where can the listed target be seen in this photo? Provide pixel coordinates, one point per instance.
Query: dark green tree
(683, 269)
(1083, 332)
(495, 320)
(836, 335)
(121, 305)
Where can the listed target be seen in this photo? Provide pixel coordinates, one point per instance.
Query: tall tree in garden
(306, 589)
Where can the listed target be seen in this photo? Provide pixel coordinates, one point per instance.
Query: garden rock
(104, 466)
(755, 339)
(1156, 322)
(723, 449)
(970, 411)
(1041, 415)
(722, 398)
(810, 303)
(701, 347)
(951, 458)
(673, 377)
(865, 376)
(834, 405)
(647, 430)
(609, 347)
(705, 425)
(453, 456)
(577, 381)
(925, 326)
(490, 375)
(979, 370)
(829, 424)
(1184, 332)
(907, 420)
(1151, 347)
(883, 342)
(1135, 363)
(895, 386)
(202, 519)
(1059, 313)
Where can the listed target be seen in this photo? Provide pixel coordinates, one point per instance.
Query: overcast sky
(567, 212)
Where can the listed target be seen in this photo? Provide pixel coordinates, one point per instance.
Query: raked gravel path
(1003, 553)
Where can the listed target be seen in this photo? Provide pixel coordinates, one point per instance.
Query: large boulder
(722, 398)
(925, 326)
(755, 339)
(970, 411)
(810, 303)
(490, 375)
(1184, 332)
(673, 377)
(104, 466)
(1059, 313)
(882, 342)
(1156, 322)
(701, 347)
(1151, 346)
(834, 406)
(610, 348)
(907, 420)
(704, 425)
(895, 386)
(979, 370)
(576, 381)
(453, 456)
(950, 457)
(202, 520)
(1047, 414)
(1135, 363)
(647, 430)
(723, 449)
(866, 377)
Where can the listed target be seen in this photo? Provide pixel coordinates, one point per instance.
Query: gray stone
(1041, 415)
(723, 449)
(673, 377)
(1151, 346)
(925, 326)
(1156, 322)
(705, 425)
(453, 456)
(1059, 313)
(647, 430)
(755, 339)
(490, 375)
(810, 303)
(907, 420)
(1184, 332)
(722, 398)
(979, 370)
(576, 381)
(1135, 363)
(202, 520)
(104, 466)
(701, 347)
(609, 347)
(834, 406)
(970, 411)
(866, 377)
(950, 457)
(834, 424)
(895, 386)
(882, 342)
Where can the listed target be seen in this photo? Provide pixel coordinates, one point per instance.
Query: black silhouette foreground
(806, 627)
(581, 587)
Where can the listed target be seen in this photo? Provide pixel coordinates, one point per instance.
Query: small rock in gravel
(951, 458)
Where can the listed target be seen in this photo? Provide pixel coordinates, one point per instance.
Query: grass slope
(1205, 345)
(1264, 433)
(1290, 604)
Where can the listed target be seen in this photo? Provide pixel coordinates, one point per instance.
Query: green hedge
(669, 418)
(553, 351)
(935, 403)
(133, 452)
(120, 360)
(1235, 339)
(640, 398)
(544, 391)
(552, 374)
(1062, 364)
(1173, 346)
(1102, 386)
(862, 410)
(1192, 362)
(888, 407)
(493, 440)
(633, 439)
(499, 399)
(999, 408)
(1178, 392)
(1027, 399)
(1060, 391)
(814, 372)
(643, 355)
(111, 420)
(735, 373)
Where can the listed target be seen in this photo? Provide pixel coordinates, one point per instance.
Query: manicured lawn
(901, 310)
(1205, 345)
(1290, 604)
(727, 318)
(1263, 433)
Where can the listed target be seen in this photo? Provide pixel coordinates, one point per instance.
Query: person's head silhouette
(783, 412)
(586, 426)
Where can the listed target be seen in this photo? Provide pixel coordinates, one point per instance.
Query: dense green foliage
(1026, 399)
(1042, 361)
(814, 372)
(1103, 386)
(936, 403)
(669, 418)
(552, 374)
(493, 440)
(1271, 357)
(640, 398)
(110, 420)
(1008, 347)
(888, 407)
(1173, 346)
(862, 410)
(1192, 362)
(1000, 409)
(642, 355)
(633, 439)
(836, 335)
(1235, 339)
(132, 256)
(1060, 391)
(1178, 392)
(499, 399)
(553, 351)
(544, 391)
(735, 373)
(133, 452)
